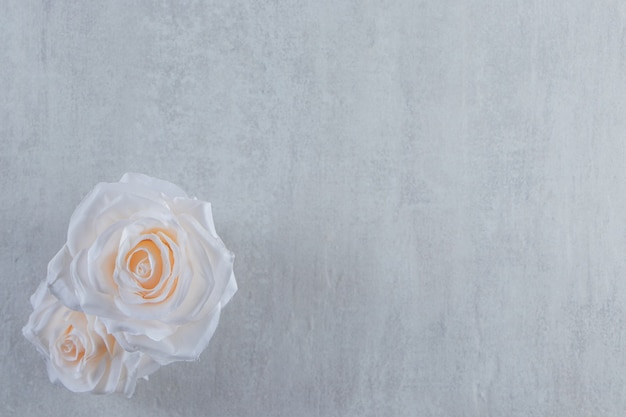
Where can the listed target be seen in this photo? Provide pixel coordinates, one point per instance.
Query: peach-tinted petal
(106, 204)
(100, 260)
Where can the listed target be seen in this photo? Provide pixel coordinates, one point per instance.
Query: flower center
(145, 263)
(150, 265)
(140, 263)
(70, 346)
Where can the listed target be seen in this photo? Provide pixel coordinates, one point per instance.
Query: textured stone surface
(426, 198)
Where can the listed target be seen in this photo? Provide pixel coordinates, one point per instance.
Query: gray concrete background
(427, 199)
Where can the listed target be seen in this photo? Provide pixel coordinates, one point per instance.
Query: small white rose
(146, 259)
(79, 352)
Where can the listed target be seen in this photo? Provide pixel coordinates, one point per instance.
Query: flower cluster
(140, 283)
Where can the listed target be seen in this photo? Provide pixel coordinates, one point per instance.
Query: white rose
(79, 352)
(146, 259)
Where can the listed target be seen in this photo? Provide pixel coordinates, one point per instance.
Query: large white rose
(79, 352)
(146, 259)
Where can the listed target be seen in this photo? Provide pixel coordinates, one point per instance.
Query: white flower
(146, 259)
(79, 352)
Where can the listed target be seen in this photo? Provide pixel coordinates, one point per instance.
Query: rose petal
(199, 210)
(229, 291)
(35, 329)
(220, 259)
(154, 329)
(91, 300)
(187, 343)
(59, 279)
(106, 204)
(101, 258)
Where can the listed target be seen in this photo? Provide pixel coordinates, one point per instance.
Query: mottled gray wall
(427, 199)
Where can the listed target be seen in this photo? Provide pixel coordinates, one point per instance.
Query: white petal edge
(162, 186)
(59, 279)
